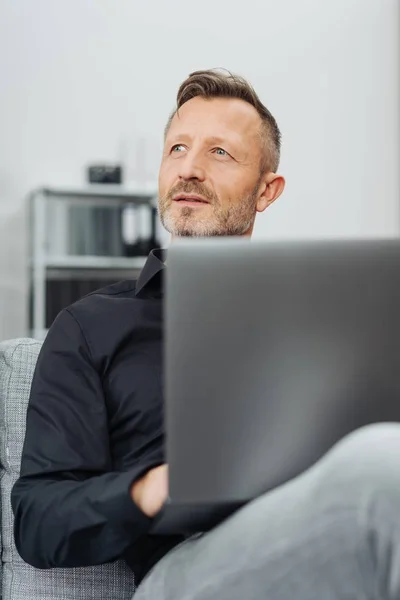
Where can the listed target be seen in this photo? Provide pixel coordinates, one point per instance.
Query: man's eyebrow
(214, 139)
(223, 141)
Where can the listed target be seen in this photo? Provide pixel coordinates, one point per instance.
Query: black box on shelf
(100, 174)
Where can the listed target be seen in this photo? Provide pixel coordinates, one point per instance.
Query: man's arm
(70, 507)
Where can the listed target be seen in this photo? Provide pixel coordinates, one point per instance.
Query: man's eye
(177, 148)
(221, 152)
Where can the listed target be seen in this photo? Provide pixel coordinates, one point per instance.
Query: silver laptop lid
(274, 351)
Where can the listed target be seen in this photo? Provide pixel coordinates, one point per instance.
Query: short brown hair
(217, 83)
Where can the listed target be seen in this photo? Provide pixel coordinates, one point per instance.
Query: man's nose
(191, 167)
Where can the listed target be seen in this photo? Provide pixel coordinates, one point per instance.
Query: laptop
(273, 352)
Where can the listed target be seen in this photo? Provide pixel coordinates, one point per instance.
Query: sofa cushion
(113, 581)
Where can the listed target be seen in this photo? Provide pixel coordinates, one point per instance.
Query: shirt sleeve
(71, 509)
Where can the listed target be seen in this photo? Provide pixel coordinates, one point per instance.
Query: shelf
(94, 262)
(57, 229)
(148, 190)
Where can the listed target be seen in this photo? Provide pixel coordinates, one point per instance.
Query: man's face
(210, 181)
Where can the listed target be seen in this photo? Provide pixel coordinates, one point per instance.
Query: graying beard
(223, 230)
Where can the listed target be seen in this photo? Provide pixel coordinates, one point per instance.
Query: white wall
(78, 75)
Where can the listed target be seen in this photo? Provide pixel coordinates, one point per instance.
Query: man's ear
(272, 187)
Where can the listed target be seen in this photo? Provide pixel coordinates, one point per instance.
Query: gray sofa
(20, 581)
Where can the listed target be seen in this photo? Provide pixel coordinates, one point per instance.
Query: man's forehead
(219, 115)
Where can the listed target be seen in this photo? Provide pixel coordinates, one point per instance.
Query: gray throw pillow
(20, 581)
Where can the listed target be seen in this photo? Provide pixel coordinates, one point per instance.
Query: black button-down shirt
(94, 426)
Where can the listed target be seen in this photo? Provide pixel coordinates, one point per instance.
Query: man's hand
(151, 491)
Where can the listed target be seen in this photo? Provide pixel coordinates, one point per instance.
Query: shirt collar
(150, 281)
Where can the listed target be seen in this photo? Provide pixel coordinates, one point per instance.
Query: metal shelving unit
(94, 262)
(51, 255)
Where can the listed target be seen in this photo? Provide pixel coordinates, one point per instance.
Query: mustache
(191, 187)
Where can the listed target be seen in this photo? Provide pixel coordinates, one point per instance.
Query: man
(93, 474)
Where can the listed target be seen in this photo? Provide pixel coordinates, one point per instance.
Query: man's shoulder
(105, 316)
(107, 299)
(123, 289)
